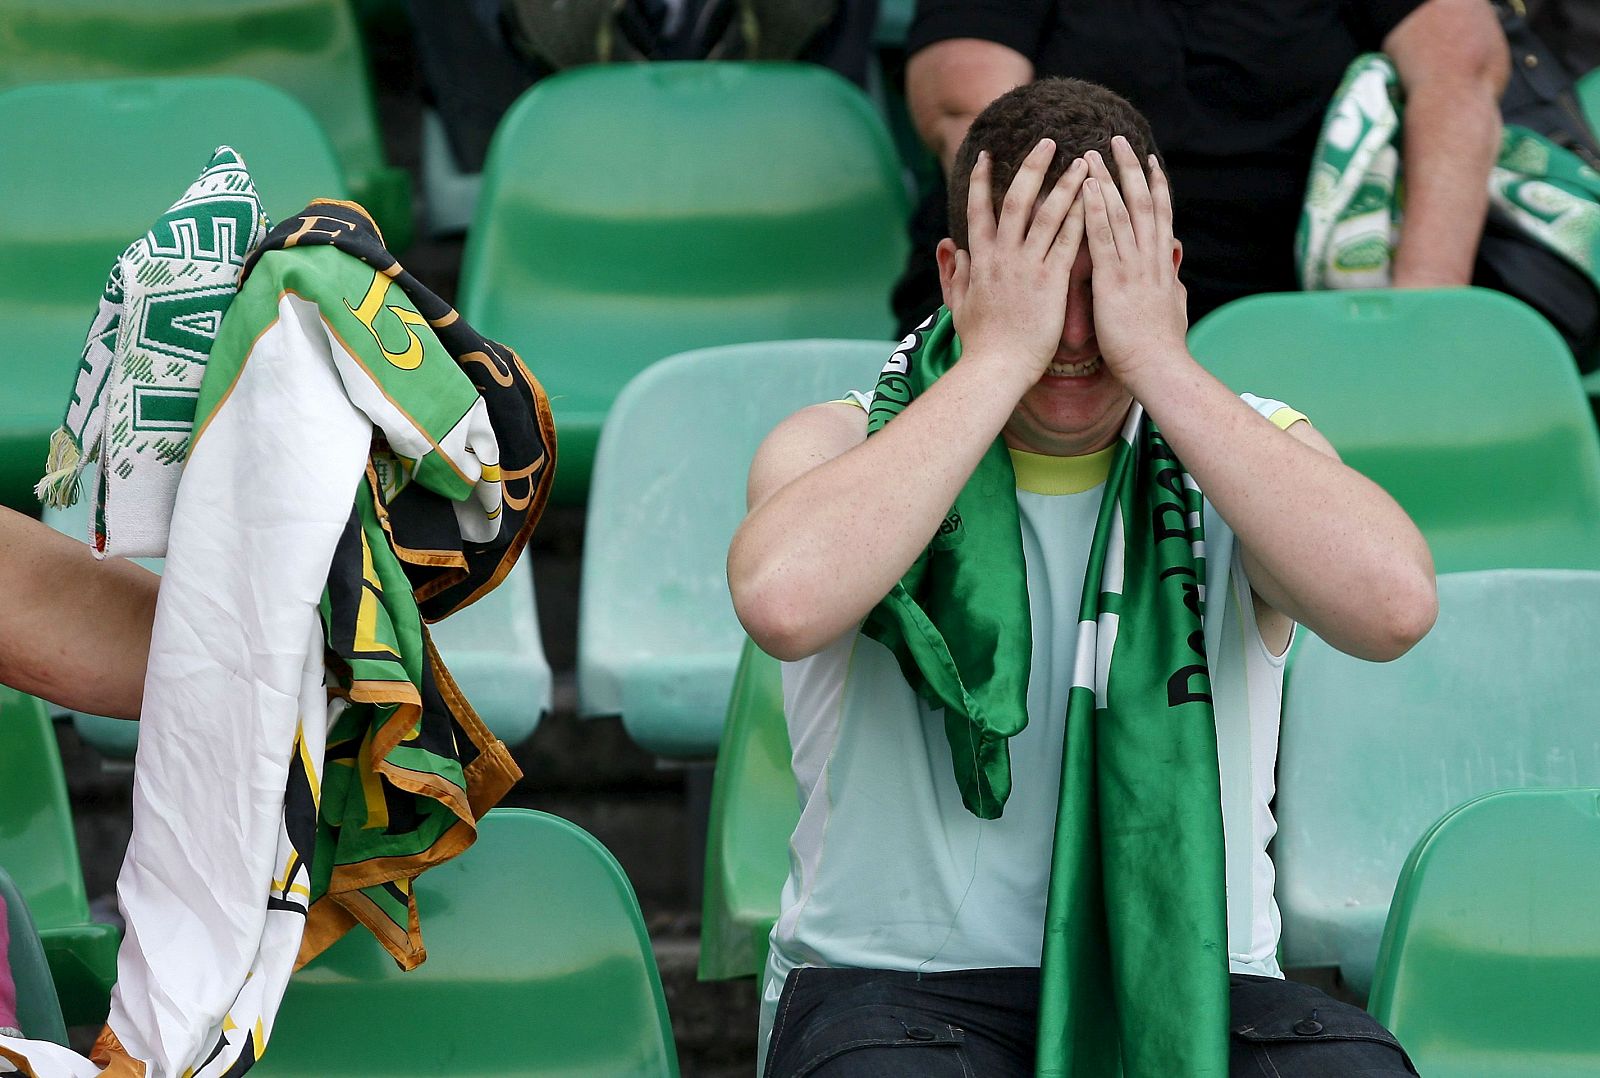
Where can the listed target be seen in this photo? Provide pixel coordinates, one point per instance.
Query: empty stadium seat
(310, 48)
(633, 211)
(754, 809)
(40, 850)
(493, 649)
(38, 1011)
(87, 168)
(1463, 404)
(1491, 959)
(657, 637)
(538, 965)
(1502, 693)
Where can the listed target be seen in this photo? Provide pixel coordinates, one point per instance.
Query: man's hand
(1009, 288)
(1139, 304)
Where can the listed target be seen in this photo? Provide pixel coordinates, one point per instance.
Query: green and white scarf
(133, 398)
(1135, 970)
(1355, 194)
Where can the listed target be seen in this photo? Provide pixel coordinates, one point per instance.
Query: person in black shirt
(1235, 93)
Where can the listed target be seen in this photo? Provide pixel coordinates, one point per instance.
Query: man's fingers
(1116, 213)
(1046, 225)
(961, 278)
(1135, 191)
(1097, 223)
(1161, 199)
(980, 205)
(1017, 208)
(1064, 251)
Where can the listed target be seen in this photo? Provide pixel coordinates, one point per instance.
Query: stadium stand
(1462, 403)
(39, 848)
(1491, 958)
(657, 637)
(1500, 694)
(492, 648)
(88, 166)
(310, 48)
(754, 809)
(538, 965)
(38, 1011)
(633, 211)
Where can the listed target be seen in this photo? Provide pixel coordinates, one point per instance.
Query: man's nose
(1077, 330)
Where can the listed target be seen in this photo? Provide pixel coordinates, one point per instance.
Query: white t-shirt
(887, 868)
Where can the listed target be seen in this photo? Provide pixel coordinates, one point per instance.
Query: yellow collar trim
(1039, 473)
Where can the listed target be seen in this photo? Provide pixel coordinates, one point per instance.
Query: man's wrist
(1007, 368)
(1146, 374)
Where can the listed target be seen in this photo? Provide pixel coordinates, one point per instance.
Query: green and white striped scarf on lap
(133, 398)
(1135, 972)
(1355, 193)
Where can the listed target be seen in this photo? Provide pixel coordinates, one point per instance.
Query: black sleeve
(1016, 24)
(1373, 19)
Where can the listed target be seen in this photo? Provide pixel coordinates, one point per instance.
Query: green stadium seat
(1588, 89)
(538, 965)
(492, 648)
(40, 850)
(38, 1011)
(310, 48)
(754, 809)
(1462, 403)
(657, 637)
(894, 20)
(1500, 694)
(633, 211)
(87, 168)
(1491, 958)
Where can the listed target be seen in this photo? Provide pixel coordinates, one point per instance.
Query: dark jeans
(849, 1023)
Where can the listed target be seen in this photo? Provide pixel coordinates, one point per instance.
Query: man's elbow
(1407, 611)
(774, 615)
(779, 624)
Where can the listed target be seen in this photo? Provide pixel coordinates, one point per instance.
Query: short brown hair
(1080, 116)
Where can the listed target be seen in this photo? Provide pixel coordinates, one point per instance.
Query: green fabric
(408, 766)
(1135, 948)
(1356, 192)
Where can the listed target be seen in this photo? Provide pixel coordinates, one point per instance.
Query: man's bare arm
(1323, 544)
(72, 629)
(950, 82)
(1453, 64)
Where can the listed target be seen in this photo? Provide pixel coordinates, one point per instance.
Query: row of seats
(310, 49)
(538, 965)
(1496, 470)
(628, 213)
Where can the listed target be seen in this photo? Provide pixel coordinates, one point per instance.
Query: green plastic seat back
(39, 849)
(1491, 958)
(538, 965)
(312, 49)
(633, 211)
(1463, 404)
(1500, 694)
(87, 168)
(754, 809)
(657, 637)
(1589, 97)
(493, 649)
(37, 843)
(38, 1010)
